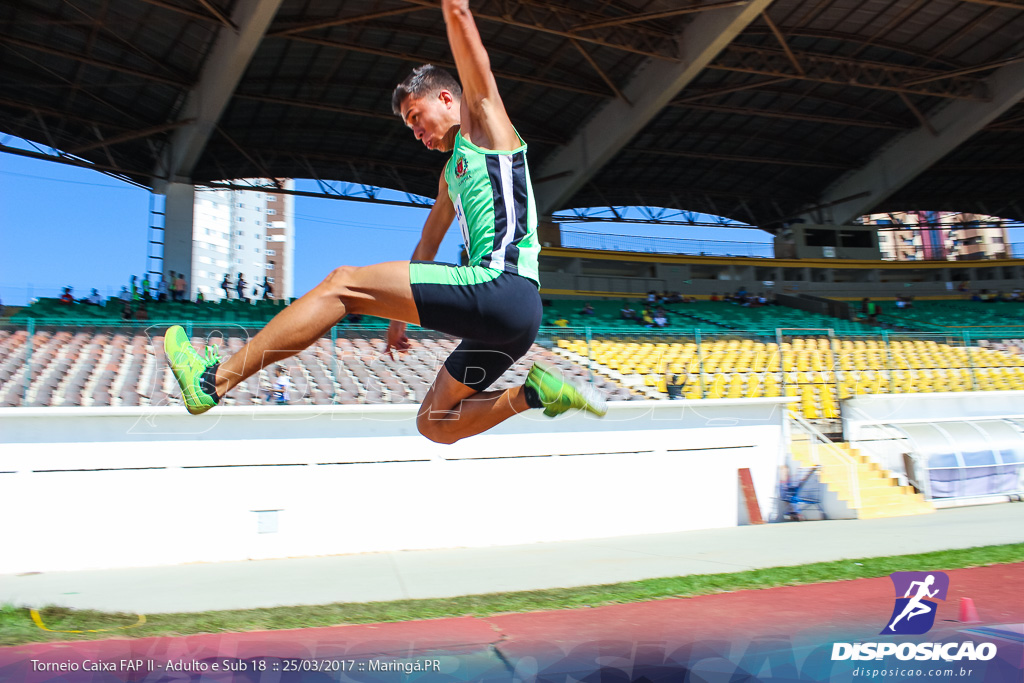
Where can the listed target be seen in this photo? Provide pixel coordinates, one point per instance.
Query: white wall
(868, 409)
(118, 487)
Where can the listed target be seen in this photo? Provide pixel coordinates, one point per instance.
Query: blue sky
(63, 225)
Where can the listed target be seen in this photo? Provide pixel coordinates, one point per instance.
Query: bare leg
(382, 290)
(453, 411)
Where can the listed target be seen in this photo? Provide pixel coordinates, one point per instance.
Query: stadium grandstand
(792, 117)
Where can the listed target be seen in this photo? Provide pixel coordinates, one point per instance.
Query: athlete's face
(431, 119)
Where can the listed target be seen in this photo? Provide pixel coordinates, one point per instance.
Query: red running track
(773, 634)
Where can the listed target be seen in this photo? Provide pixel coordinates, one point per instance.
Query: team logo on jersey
(461, 167)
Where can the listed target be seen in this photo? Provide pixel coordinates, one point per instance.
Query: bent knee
(436, 428)
(340, 284)
(341, 278)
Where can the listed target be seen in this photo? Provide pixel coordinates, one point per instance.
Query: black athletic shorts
(495, 313)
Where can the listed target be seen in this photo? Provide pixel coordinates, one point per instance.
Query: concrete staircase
(880, 492)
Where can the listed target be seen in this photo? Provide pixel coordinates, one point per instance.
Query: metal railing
(820, 444)
(666, 245)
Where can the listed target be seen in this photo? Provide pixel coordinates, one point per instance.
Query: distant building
(250, 232)
(939, 236)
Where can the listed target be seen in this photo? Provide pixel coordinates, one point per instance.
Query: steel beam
(182, 10)
(648, 92)
(795, 116)
(84, 59)
(127, 137)
(808, 163)
(331, 23)
(918, 150)
(650, 16)
(221, 73)
(831, 69)
(563, 22)
(446, 63)
(1008, 4)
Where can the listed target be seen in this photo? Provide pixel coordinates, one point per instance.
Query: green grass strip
(17, 626)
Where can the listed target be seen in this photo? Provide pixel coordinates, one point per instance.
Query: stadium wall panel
(92, 488)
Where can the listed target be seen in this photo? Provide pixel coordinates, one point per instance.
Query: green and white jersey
(494, 205)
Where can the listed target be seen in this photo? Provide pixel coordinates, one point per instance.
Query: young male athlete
(493, 304)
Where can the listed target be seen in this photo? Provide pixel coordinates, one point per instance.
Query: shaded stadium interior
(755, 111)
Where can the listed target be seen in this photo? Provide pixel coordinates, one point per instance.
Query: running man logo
(914, 612)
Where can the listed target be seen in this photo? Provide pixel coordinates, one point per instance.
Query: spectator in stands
(674, 384)
(124, 294)
(268, 293)
(126, 310)
(199, 297)
(282, 385)
(142, 313)
(94, 299)
(161, 288)
(587, 309)
(136, 295)
(714, 297)
(627, 312)
(660, 318)
(647, 318)
(146, 295)
(762, 300)
(240, 284)
(562, 321)
(181, 287)
(225, 284)
(652, 297)
(66, 297)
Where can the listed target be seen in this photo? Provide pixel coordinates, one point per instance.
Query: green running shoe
(559, 394)
(188, 367)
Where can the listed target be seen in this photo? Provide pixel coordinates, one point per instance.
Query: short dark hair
(424, 80)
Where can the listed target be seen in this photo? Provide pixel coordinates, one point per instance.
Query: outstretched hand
(397, 341)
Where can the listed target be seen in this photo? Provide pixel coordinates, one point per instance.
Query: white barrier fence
(85, 488)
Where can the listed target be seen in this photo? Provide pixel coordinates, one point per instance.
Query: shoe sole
(193, 410)
(594, 401)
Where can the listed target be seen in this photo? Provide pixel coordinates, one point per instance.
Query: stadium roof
(756, 110)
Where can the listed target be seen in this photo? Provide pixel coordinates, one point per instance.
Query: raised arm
(436, 226)
(485, 122)
(434, 229)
